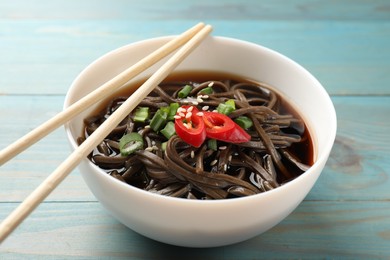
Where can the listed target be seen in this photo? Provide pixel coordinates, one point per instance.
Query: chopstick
(55, 178)
(105, 90)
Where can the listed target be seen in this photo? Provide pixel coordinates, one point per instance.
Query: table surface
(345, 44)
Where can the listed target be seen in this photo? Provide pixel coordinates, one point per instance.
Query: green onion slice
(172, 110)
(164, 146)
(212, 144)
(130, 143)
(230, 102)
(185, 91)
(169, 130)
(159, 119)
(141, 114)
(227, 107)
(244, 121)
(206, 91)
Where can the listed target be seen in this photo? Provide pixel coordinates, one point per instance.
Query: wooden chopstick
(52, 181)
(105, 90)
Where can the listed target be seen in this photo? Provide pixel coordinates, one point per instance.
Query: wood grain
(347, 51)
(200, 9)
(345, 44)
(336, 230)
(358, 166)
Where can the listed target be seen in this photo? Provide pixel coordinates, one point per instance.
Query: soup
(204, 135)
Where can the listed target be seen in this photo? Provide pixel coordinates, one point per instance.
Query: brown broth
(304, 150)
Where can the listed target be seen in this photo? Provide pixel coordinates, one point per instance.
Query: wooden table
(345, 44)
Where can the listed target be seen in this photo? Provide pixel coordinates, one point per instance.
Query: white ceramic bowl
(195, 223)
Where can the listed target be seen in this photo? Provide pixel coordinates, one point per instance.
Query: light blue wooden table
(345, 44)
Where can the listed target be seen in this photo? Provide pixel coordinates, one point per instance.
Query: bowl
(209, 223)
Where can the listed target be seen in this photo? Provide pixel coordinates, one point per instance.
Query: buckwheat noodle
(271, 158)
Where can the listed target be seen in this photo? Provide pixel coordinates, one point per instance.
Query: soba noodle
(279, 149)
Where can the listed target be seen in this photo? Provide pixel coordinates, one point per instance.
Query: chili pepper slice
(223, 128)
(189, 126)
(193, 127)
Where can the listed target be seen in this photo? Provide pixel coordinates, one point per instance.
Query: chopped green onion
(165, 110)
(130, 143)
(212, 144)
(230, 102)
(141, 114)
(169, 130)
(164, 146)
(227, 107)
(172, 110)
(244, 121)
(159, 119)
(224, 109)
(206, 91)
(185, 91)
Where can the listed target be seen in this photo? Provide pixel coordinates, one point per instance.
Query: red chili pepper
(191, 127)
(223, 128)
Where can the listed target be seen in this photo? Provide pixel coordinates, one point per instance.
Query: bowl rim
(317, 163)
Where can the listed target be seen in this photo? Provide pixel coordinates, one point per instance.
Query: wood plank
(336, 230)
(195, 10)
(358, 168)
(348, 57)
(45, 44)
(20, 176)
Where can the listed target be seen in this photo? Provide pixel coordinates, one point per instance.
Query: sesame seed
(181, 110)
(222, 147)
(192, 154)
(215, 110)
(211, 84)
(153, 143)
(199, 114)
(190, 109)
(195, 103)
(230, 158)
(182, 114)
(199, 99)
(188, 115)
(214, 162)
(188, 125)
(205, 108)
(149, 149)
(205, 96)
(225, 167)
(147, 126)
(175, 117)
